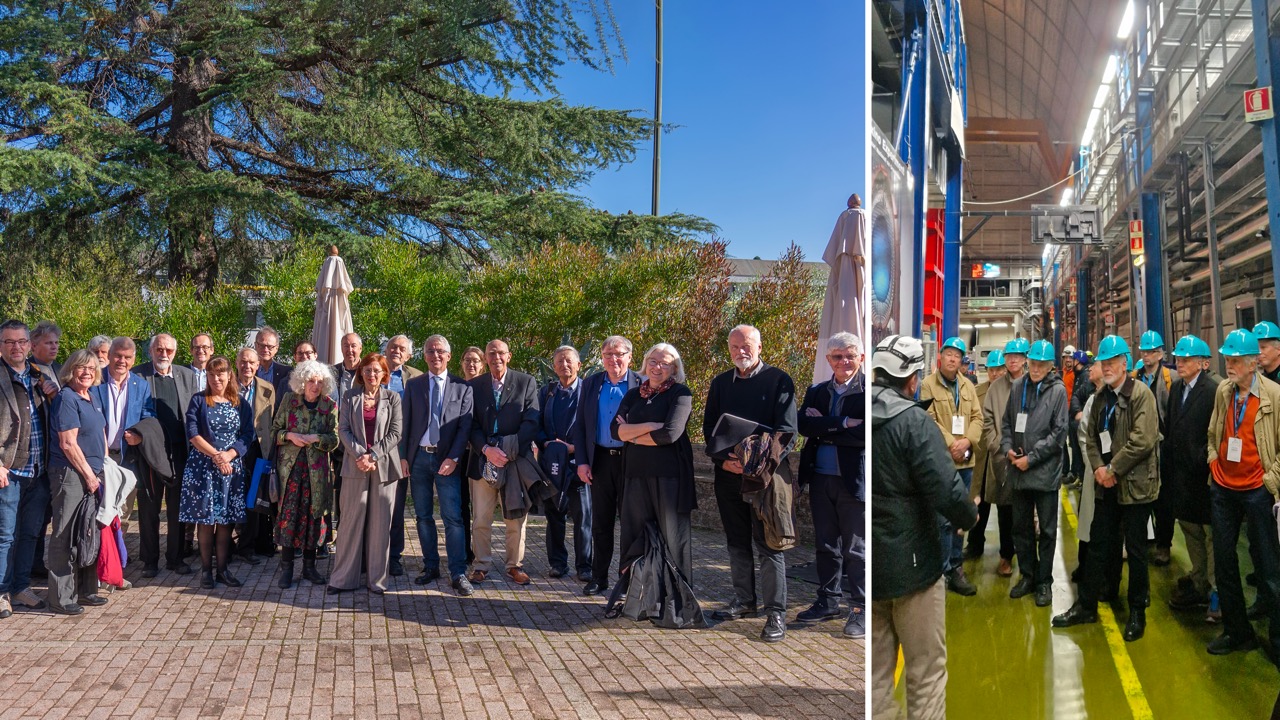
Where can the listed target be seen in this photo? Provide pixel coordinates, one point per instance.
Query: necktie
(437, 396)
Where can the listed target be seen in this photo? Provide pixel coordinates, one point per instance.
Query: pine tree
(194, 133)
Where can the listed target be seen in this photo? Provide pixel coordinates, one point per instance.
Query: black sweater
(768, 397)
(673, 454)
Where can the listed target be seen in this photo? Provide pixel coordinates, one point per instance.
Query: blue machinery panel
(1153, 264)
(1267, 54)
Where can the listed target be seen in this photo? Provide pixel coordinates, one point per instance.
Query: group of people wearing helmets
(1174, 443)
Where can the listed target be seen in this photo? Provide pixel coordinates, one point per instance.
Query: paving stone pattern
(168, 649)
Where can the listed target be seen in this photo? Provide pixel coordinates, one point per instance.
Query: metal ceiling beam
(1016, 131)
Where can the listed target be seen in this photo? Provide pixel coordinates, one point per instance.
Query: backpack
(86, 536)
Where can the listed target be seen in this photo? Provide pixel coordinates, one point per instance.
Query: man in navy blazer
(833, 419)
(437, 421)
(599, 456)
(125, 399)
(267, 344)
(558, 401)
(172, 387)
(506, 409)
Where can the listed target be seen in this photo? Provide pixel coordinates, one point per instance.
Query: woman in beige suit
(369, 427)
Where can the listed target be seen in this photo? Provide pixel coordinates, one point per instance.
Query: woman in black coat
(658, 469)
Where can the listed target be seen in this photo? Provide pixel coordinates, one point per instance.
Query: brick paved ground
(169, 649)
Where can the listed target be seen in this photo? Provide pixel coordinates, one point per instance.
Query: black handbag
(86, 537)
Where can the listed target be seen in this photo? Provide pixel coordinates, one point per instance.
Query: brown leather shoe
(519, 576)
(1005, 569)
(478, 576)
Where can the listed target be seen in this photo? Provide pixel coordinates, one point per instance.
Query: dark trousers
(647, 500)
(1004, 520)
(952, 542)
(66, 581)
(1076, 465)
(397, 519)
(466, 508)
(1162, 513)
(840, 532)
(331, 518)
(1035, 552)
(606, 499)
(149, 523)
(744, 532)
(1113, 525)
(580, 512)
(33, 503)
(1228, 508)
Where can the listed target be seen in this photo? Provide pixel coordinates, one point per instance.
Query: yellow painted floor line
(1133, 692)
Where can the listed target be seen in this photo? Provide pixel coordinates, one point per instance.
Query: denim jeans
(580, 511)
(33, 505)
(9, 499)
(953, 542)
(422, 481)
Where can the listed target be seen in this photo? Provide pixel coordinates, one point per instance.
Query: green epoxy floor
(1004, 660)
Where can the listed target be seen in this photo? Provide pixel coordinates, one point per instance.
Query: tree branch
(25, 133)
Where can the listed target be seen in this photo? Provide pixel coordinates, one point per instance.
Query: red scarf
(647, 391)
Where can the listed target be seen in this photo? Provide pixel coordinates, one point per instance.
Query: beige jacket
(943, 408)
(1266, 427)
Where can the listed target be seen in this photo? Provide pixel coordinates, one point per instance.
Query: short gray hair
(151, 346)
(438, 338)
(245, 351)
(98, 342)
(751, 332)
(616, 340)
(307, 369)
(394, 338)
(670, 349)
(842, 340)
(123, 342)
(267, 330)
(569, 349)
(45, 327)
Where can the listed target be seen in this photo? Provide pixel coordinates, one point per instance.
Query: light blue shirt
(396, 381)
(610, 398)
(827, 461)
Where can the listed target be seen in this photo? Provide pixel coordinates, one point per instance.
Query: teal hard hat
(1266, 330)
(1017, 346)
(1240, 343)
(1042, 350)
(1111, 346)
(955, 343)
(1150, 340)
(995, 358)
(1190, 346)
(1139, 365)
(1128, 363)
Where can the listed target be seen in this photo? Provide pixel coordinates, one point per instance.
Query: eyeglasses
(203, 348)
(265, 346)
(436, 351)
(616, 354)
(16, 343)
(659, 364)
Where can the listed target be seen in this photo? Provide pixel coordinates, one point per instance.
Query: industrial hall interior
(1074, 208)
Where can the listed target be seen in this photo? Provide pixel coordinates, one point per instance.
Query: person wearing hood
(1032, 431)
(1123, 432)
(913, 481)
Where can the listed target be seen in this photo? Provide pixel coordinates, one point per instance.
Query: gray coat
(385, 442)
(1045, 433)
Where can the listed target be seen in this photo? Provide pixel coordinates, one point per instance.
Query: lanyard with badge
(1020, 423)
(1235, 446)
(1104, 436)
(957, 420)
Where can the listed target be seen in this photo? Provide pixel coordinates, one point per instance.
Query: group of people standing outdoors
(1170, 446)
(246, 457)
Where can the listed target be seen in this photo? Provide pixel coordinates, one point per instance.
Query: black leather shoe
(72, 609)
(775, 627)
(1077, 615)
(1044, 595)
(226, 578)
(426, 577)
(818, 612)
(311, 575)
(150, 572)
(248, 557)
(959, 584)
(1137, 625)
(594, 588)
(94, 600)
(557, 573)
(735, 611)
(179, 569)
(1024, 586)
(395, 569)
(1224, 644)
(286, 575)
(463, 586)
(206, 579)
(972, 551)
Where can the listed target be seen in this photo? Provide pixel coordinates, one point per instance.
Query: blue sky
(770, 103)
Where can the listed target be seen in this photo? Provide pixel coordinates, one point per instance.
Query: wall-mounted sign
(984, 270)
(1257, 105)
(1136, 237)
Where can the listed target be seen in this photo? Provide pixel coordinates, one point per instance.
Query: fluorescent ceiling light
(982, 326)
(1109, 73)
(965, 326)
(1089, 127)
(1126, 22)
(1000, 325)
(1101, 98)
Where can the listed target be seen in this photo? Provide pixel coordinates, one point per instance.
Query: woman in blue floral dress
(220, 428)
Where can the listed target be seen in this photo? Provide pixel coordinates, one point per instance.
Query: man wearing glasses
(201, 354)
(267, 344)
(599, 456)
(766, 395)
(398, 351)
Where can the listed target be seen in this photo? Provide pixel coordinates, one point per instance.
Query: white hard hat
(899, 356)
(1069, 350)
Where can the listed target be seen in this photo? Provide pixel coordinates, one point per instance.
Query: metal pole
(1215, 281)
(657, 105)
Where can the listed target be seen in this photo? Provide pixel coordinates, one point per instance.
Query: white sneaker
(6, 610)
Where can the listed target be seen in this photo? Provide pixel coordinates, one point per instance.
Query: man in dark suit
(172, 387)
(256, 530)
(506, 409)
(125, 399)
(267, 343)
(558, 403)
(1184, 469)
(599, 455)
(831, 465)
(437, 421)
